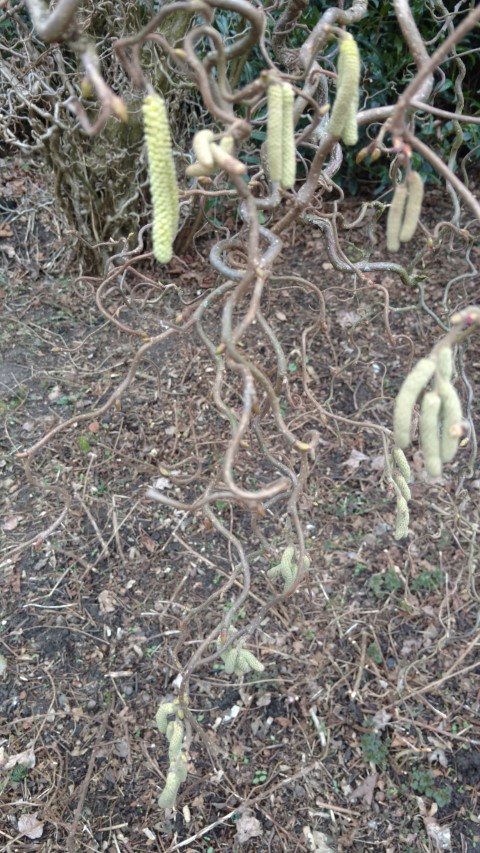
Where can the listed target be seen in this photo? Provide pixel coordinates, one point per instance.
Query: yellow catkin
(430, 433)
(395, 217)
(348, 81)
(275, 130)
(163, 181)
(450, 421)
(411, 388)
(201, 147)
(413, 207)
(289, 165)
(350, 130)
(224, 160)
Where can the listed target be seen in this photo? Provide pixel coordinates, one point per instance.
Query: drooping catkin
(289, 165)
(429, 427)
(275, 130)
(412, 386)
(395, 217)
(162, 177)
(403, 486)
(401, 462)
(445, 363)
(450, 421)
(175, 776)
(413, 207)
(350, 129)
(402, 518)
(201, 147)
(348, 81)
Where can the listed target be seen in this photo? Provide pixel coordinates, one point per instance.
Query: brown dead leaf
(365, 790)
(5, 231)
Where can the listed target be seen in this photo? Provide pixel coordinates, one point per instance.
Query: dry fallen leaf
(365, 790)
(12, 522)
(25, 759)
(248, 827)
(29, 825)
(106, 600)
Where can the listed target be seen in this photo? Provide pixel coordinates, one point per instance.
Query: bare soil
(363, 731)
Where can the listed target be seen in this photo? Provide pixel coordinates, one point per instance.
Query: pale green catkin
(402, 484)
(395, 217)
(402, 518)
(445, 363)
(450, 421)
(350, 129)
(201, 148)
(348, 81)
(400, 461)
(289, 165)
(430, 433)
(163, 181)
(175, 734)
(412, 386)
(161, 718)
(275, 130)
(413, 207)
(175, 776)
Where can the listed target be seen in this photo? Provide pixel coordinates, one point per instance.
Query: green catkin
(161, 717)
(400, 461)
(275, 130)
(163, 181)
(348, 81)
(445, 363)
(402, 518)
(251, 661)
(175, 733)
(430, 433)
(402, 484)
(395, 217)
(413, 207)
(450, 421)
(289, 165)
(175, 776)
(412, 386)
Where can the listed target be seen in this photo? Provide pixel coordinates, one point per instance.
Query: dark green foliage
(422, 781)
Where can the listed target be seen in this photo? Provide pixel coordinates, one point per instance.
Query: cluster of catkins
(237, 660)
(162, 177)
(287, 568)
(404, 211)
(441, 425)
(169, 720)
(212, 156)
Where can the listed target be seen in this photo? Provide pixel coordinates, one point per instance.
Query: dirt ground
(363, 731)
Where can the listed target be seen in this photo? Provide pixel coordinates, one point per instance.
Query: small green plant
(259, 777)
(375, 750)
(422, 781)
(374, 652)
(428, 581)
(384, 585)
